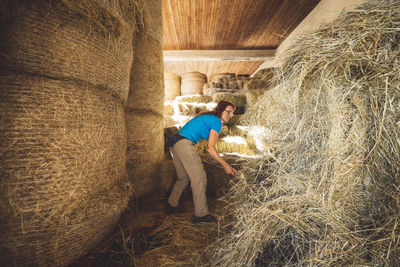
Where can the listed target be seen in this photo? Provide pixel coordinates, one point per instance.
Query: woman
(187, 161)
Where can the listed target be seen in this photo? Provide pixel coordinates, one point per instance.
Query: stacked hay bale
(64, 80)
(144, 113)
(329, 194)
(193, 83)
(242, 80)
(172, 85)
(225, 83)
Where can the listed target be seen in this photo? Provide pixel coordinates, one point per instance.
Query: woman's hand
(212, 140)
(230, 170)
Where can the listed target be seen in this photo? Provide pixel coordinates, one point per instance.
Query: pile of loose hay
(262, 79)
(329, 195)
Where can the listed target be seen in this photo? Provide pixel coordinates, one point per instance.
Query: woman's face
(227, 113)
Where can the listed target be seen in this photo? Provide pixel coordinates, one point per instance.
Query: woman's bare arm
(212, 140)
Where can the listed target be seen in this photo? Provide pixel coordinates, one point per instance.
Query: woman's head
(224, 109)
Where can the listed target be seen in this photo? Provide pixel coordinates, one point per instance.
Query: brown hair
(217, 111)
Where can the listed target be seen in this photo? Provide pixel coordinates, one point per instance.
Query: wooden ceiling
(228, 25)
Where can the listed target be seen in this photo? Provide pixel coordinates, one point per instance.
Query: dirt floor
(148, 236)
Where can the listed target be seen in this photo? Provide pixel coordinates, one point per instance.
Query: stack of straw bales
(329, 194)
(64, 80)
(144, 113)
(225, 83)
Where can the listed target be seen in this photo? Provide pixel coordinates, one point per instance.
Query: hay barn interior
(91, 90)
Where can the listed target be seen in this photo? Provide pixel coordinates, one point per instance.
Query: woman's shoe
(170, 210)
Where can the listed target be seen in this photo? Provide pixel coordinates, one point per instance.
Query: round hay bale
(264, 73)
(167, 176)
(152, 18)
(192, 83)
(145, 151)
(331, 187)
(63, 147)
(62, 41)
(172, 85)
(252, 95)
(206, 87)
(264, 78)
(146, 89)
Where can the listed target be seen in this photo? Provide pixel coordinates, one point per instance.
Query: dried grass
(145, 150)
(172, 85)
(222, 146)
(86, 40)
(232, 145)
(154, 239)
(264, 78)
(252, 96)
(65, 76)
(146, 88)
(168, 110)
(63, 147)
(237, 99)
(192, 110)
(145, 105)
(329, 195)
(113, 16)
(185, 243)
(194, 99)
(234, 120)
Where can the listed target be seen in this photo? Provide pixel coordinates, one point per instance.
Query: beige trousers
(188, 166)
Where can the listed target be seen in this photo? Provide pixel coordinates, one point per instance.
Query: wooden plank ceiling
(228, 25)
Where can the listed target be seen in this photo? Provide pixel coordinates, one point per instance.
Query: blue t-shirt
(199, 127)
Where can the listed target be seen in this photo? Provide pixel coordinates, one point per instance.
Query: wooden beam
(218, 55)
